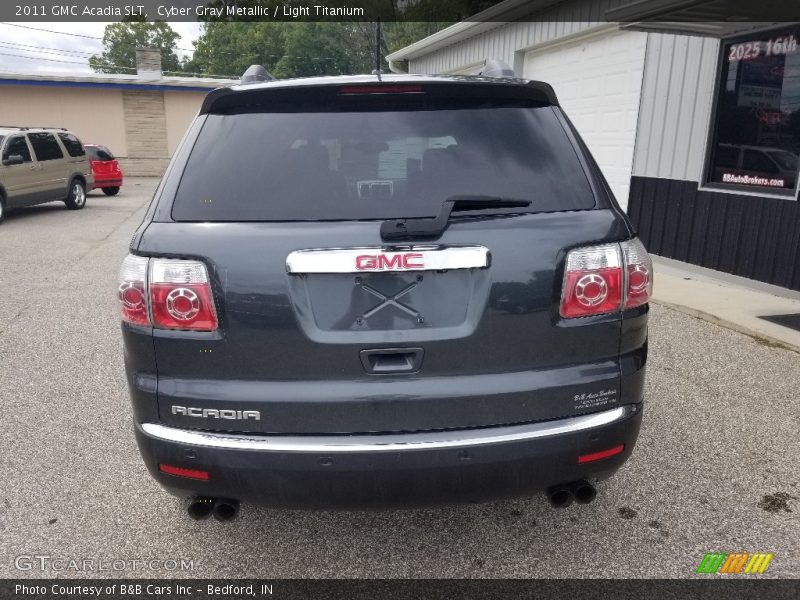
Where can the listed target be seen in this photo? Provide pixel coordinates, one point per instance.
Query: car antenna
(378, 57)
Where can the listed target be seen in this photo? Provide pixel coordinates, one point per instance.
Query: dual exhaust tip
(223, 509)
(581, 491)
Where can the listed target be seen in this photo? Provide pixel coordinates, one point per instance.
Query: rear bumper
(101, 182)
(390, 470)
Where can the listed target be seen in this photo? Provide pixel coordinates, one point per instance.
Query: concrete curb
(758, 336)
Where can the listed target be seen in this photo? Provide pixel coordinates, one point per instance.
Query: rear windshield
(295, 166)
(99, 153)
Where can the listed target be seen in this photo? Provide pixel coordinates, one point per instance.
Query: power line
(72, 62)
(91, 37)
(81, 35)
(45, 50)
(55, 51)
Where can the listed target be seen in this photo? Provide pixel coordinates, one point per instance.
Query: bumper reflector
(584, 458)
(181, 472)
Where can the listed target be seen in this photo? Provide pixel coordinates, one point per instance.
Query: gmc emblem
(400, 261)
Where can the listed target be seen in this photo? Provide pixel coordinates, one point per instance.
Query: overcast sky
(43, 48)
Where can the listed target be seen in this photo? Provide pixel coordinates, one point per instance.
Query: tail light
(180, 295)
(604, 279)
(639, 273)
(133, 290)
(175, 294)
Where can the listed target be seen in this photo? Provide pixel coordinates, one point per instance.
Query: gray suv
(42, 164)
(383, 290)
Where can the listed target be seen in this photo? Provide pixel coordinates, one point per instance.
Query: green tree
(299, 49)
(226, 48)
(120, 41)
(325, 49)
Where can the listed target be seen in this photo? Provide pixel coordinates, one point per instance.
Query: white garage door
(598, 81)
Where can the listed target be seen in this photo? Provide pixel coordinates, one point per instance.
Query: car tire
(2, 207)
(76, 196)
(110, 191)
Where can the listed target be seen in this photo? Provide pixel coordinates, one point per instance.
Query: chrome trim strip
(377, 259)
(385, 442)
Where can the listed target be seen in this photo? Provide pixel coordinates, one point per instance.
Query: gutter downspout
(398, 66)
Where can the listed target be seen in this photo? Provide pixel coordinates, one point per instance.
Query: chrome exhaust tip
(226, 509)
(559, 496)
(200, 507)
(583, 491)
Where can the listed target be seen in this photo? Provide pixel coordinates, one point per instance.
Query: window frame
(28, 144)
(718, 186)
(55, 139)
(66, 134)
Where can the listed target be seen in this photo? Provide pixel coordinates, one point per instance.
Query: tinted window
(754, 160)
(758, 111)
(728, 156)
(99, 153)
(45, 146)
(377, 165)
(72, 144)
(17, 145)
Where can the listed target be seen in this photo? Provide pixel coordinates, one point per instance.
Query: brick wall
(146, 133)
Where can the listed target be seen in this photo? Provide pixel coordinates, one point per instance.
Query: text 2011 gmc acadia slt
(383, 290)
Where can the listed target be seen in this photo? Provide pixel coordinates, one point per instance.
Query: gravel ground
(716, 467)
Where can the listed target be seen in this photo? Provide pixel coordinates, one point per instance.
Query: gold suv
(42, 164)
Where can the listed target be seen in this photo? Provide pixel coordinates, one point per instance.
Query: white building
(696, 125)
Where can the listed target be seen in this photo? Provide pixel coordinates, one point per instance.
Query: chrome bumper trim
(385, 442)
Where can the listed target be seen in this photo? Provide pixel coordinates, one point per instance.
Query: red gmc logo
(389, 262)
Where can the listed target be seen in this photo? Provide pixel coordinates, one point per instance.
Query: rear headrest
(310, 156)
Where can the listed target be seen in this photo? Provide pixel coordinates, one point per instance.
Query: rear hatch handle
(392, 360)
(433, 227)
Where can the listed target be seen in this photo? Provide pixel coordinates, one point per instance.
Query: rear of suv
(42, 164)
(385, 290)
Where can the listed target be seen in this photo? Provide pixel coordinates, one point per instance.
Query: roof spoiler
(496, 68)
(255, 74)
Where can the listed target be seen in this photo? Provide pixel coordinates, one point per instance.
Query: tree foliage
(300, 49)
(120, 41)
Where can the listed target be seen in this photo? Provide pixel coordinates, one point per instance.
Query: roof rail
(27, 127)
(256, 73)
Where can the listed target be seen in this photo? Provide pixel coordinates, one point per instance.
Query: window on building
(756, 139)
(17, 145)
(72, 144)
(45, 146)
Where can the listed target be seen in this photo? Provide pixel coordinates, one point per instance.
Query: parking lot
(716, 467)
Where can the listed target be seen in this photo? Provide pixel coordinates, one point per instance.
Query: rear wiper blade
(399, 229)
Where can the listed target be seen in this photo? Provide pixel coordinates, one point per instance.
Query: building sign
(756, 136)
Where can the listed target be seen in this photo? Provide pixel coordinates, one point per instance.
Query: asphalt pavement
(715, 469)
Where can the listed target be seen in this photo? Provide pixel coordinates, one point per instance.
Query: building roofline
(115, 80)
(504, 12)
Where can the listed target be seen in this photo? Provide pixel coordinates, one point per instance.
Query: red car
(105, 168)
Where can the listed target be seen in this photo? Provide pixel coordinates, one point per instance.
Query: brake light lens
(639, 273)
(180, 295)
(386, 88)
(132, 290)
(175, 294)
(592, 281)
(604, 279)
